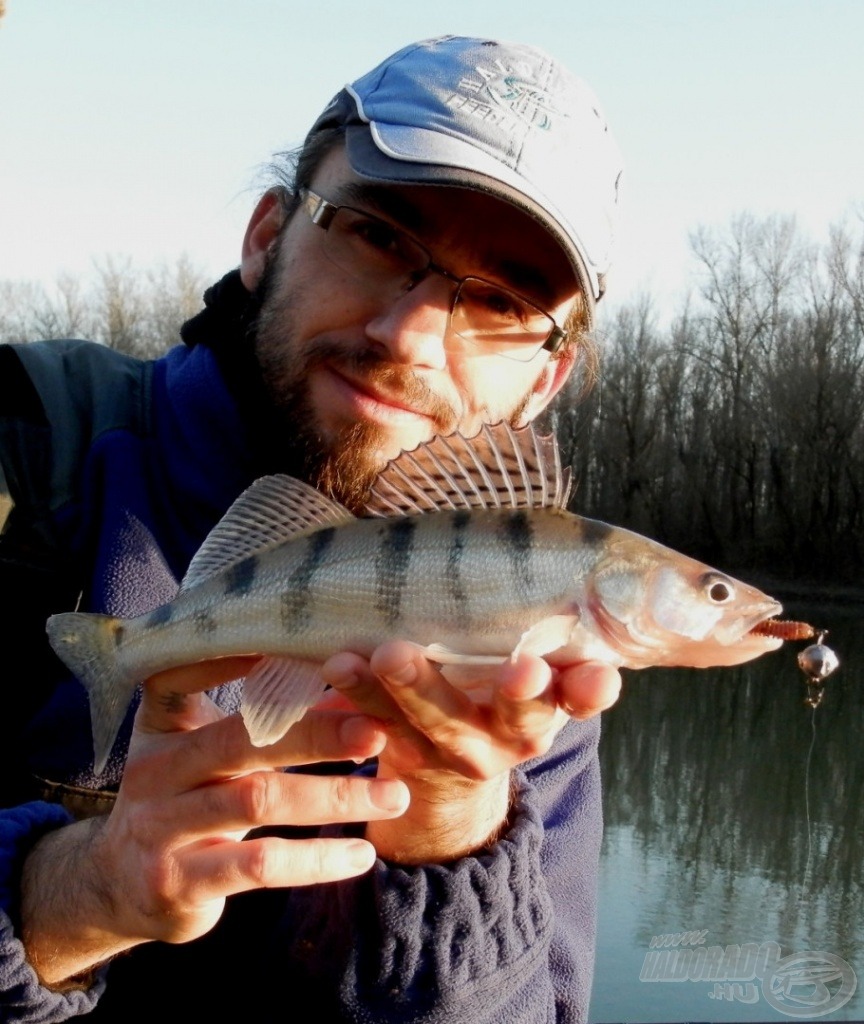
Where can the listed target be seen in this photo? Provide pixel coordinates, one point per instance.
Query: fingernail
(346, 682)
(405, 675)
(388, 795)
(360, 854)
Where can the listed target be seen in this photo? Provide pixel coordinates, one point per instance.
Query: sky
(142, 129)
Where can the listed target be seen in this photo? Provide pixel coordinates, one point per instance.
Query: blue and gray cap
(503, 118)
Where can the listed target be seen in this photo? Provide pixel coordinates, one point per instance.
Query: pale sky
(139, 128)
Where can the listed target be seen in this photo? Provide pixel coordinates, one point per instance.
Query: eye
(494, 304)
(500, 303)
(718, 589)
(376, 234)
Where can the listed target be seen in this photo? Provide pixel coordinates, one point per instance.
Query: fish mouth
(752, 626)
(746, 638)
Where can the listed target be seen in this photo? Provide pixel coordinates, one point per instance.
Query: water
(707, 833)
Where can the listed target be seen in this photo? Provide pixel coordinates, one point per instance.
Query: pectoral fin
(547, 635)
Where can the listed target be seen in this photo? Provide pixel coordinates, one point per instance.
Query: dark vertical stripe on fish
(240, 578)
(453, 571)
(391, 566)
(519, 538)
(294, 608)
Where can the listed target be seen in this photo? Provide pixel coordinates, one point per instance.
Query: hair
(292, 170)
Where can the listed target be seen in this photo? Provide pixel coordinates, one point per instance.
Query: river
(733, 843)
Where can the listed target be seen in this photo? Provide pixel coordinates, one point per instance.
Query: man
(430, 267)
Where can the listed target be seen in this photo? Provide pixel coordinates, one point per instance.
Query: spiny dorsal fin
(501, 467)
(271, 511)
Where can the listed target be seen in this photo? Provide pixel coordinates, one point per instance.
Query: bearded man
(430, 265)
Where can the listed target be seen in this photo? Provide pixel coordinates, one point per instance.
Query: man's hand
(161, 865)
(455, 749)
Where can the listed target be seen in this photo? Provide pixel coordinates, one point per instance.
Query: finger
(527, 678)
(174, 700)
(223, 749)
(228, 868)
(325, 735)
(459, 734)
(202, 675)
(587, 689)
(420, 691)
(351, 679)
(526, 708)
(279, 798)
(413, 701)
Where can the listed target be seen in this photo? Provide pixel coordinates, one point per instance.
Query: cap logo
(506, 95)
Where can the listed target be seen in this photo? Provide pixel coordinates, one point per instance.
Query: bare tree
(738, 433)
(133, 310)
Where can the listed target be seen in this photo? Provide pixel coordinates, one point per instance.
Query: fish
(466, 549)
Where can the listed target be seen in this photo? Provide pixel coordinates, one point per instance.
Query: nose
(412, 327)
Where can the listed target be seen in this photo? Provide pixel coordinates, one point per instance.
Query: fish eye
(718, 589)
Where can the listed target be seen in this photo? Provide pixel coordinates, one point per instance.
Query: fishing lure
(817, 662)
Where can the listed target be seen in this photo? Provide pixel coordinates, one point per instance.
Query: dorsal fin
(271, 511)
(501, 467)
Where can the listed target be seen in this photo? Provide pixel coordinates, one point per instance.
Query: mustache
(400, 382)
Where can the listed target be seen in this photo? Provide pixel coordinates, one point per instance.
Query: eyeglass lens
(488, 317)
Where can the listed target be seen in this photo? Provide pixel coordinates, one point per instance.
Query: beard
(343, 464)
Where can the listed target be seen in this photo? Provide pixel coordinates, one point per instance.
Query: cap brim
(368, 161)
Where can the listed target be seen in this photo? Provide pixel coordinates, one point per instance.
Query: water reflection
(707, 825)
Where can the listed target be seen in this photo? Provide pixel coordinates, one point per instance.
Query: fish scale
(480, 563)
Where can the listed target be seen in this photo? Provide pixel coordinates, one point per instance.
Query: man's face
(356, 378)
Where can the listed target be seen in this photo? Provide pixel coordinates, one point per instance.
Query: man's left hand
(454, 751)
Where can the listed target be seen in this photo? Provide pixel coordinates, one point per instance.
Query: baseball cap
(504, 118)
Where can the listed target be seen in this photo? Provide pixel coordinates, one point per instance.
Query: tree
(133, 310)
(738, 433)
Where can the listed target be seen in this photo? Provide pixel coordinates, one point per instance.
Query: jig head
(817, 662)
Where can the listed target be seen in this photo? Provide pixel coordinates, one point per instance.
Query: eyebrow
(383, 199)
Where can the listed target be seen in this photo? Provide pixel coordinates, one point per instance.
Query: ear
(263, 230)
(553, 377)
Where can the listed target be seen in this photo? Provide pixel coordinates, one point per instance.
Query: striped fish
(467, 551)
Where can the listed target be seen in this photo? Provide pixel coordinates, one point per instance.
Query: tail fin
(87, 644)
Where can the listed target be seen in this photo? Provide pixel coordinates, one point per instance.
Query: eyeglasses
(487, 318)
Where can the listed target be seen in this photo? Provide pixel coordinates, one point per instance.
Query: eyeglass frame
(322, 212)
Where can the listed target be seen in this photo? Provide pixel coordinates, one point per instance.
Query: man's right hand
(161, 864)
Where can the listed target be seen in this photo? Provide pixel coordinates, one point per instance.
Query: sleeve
(504, 937)
(23, 1000)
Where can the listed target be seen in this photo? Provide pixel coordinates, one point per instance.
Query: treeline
(133, 310)
(736, 433)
